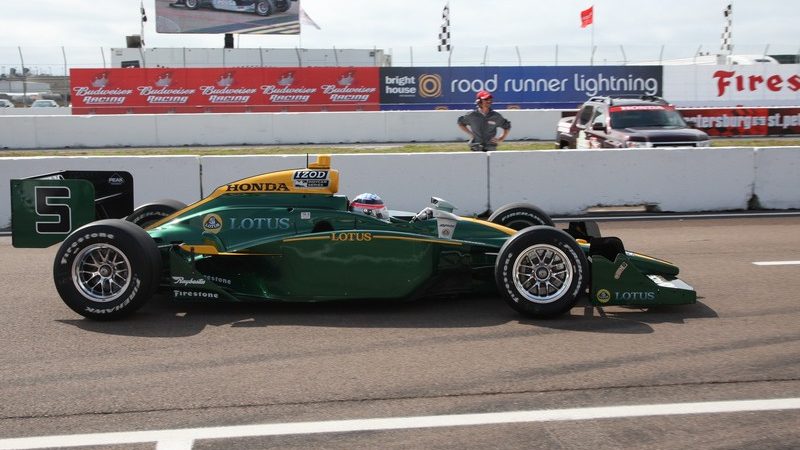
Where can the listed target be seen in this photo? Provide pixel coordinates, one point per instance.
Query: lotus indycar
(260, 7)
(289, 236)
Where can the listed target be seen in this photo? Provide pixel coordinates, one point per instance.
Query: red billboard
(741, 121)
(241, 89)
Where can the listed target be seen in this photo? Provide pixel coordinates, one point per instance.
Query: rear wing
(45, 209)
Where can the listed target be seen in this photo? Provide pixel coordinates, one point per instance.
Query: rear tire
(151, 213)
(192, 4)
(107, 269)
(520, 215)
(541, 272)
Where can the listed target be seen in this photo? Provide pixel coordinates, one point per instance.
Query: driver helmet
(369, 205)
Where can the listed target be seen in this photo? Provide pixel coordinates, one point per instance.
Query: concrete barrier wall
(570, 181)
(777, 177)
(559, 181)
(168, 130)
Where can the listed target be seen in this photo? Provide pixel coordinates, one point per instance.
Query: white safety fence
(562, 182)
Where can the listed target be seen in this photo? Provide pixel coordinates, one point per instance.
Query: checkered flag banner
(726, 45)
(444, 31)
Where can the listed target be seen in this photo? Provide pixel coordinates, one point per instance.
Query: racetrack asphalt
(192, 366)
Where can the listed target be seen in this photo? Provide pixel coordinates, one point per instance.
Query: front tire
(520, 215)
(192, 4)
(541, 272)
(264, 8)
(107, 269)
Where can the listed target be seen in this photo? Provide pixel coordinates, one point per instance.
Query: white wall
(167, 130)
(559, 181)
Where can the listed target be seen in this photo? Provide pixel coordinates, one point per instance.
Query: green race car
(288, 236)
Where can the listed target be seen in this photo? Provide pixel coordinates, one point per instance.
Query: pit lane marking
(776, 263)
(183, 439)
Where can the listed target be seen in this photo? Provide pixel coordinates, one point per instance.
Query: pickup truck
(647, 121)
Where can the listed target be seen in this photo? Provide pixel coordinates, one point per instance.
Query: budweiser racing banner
(197, 90)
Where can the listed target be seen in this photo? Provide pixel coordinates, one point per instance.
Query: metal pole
(696, 54)
(24, 80)
(556, 61)
(519, 58)
(335, 56)
(624, 57)
(661, 54)
(485, 52)
(103, 55)
(64, 54)
(411, 53)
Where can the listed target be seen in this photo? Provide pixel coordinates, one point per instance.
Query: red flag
(587, 16)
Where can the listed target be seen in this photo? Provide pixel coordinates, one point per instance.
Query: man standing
(481, 124)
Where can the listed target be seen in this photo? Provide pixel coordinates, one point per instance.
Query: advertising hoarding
(512, 87)
(733, 85)
(274, 89)
(722, 122)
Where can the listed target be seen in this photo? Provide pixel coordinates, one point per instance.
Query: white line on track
(183, 439)
(776, 263)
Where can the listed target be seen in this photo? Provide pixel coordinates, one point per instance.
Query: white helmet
(370, 205)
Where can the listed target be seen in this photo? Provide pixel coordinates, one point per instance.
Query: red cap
(483, 95)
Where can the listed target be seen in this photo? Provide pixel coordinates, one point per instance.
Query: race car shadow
(162, 317)
(165, 318)
(625, 320)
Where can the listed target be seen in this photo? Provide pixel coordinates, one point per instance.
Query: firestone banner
(161, 90)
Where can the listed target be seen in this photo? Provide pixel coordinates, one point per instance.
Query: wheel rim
(101, 272)
(542, 273)
(191, 4)
(262, 8)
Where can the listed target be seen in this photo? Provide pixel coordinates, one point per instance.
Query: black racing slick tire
(282, 5)
(107, 269)
(520, 215)
(541, 272)
(192, 4)
(264, 8)
(151, 213)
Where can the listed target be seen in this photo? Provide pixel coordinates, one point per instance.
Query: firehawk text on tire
(520, 215)
(107, 269)
(541, 272)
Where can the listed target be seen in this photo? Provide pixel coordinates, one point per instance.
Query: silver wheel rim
(542, 273)
(262, 8)
(191, 4)
(101, 272)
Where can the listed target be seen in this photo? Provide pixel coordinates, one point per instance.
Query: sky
(482, 31)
